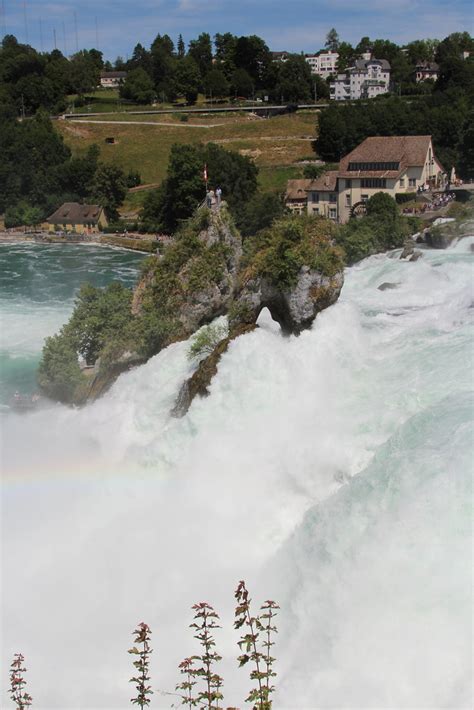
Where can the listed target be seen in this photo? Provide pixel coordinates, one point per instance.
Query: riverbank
(146, 243)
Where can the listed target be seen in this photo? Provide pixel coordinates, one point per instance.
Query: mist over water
(331, 471)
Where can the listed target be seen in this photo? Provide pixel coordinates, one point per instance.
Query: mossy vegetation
(279, 252)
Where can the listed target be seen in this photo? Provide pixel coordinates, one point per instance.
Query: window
(412, 182)
(348, 184)
(332, 213)
(332, 197)
(315, 210)
(402, 182)
(348, 200)
(364, 198)
(373, 182)
(374, 166)
(315, 196)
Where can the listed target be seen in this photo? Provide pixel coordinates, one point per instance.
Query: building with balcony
(367, 79)
(323, 63)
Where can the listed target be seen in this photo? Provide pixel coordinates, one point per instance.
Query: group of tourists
(441, 200)
(214, 198)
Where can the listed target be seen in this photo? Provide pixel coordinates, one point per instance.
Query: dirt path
(183, 124)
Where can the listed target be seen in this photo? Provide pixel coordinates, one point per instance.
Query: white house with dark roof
(112, 79)
(392, 164)
(367, 79)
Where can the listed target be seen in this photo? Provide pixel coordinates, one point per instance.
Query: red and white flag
(205, 173)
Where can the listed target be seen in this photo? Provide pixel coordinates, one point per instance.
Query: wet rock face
(294, 309)
(203, 276)
(387, 285)
(441, 236)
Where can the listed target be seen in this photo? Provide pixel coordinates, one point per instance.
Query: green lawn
(275, 178)
(275, 144)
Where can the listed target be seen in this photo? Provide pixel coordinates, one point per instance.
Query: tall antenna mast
(54, 38)
(75, 31)
(41, 33)
(64, 39)
(26, 21)
(96, 33)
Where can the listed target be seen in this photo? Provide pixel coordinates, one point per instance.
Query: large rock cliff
(292, 268)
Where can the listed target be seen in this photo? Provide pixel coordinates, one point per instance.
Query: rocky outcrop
(203, 286)
(441, 237)
(104, 377)
(293, 308)
(293, 269)
(443, 233)
(387, 285)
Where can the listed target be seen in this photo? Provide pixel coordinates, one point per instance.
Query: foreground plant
(205, 341)
(186, 686)
(205, 621)
(142, 637)
(17, 683)
(256, 649)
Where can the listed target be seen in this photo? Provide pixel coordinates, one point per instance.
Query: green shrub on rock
(278, 253)
(205, 341)
(59, 374)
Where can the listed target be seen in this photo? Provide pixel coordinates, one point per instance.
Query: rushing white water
(331, 471)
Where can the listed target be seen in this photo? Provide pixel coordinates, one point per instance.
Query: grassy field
(275, 144)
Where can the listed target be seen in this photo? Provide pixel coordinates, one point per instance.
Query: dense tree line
(229, 66)
(226, 65)
(38, 173)
(30, 80)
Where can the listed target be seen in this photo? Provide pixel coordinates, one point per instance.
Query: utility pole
(315, 92)
(41, 33)
(54, 38)
(96, 33)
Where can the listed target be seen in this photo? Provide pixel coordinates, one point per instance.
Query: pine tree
(181, 47)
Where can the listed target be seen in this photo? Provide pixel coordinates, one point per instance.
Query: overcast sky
(294, 25)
